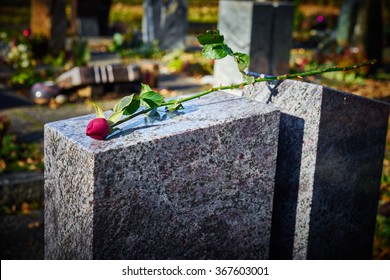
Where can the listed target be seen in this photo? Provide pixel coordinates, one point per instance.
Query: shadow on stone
(286, 187)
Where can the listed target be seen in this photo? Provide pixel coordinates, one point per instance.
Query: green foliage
(339, 77)
(190, 63)
(125, 101)
(214, 47)
(203, 12)
(115, 117)
(211, 37)
(117, 43)
(150, 98)
(16, 156)
(129, 106)
(132, 107)
(55, 61)
(347, 78)
(21, 55)
(98, 110)
(383, 230)
(80, 53)
(126, 13)
(174, 105)
(145, 50)
(242, 60)
(25, 78)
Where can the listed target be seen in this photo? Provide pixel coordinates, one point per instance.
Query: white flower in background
(22, 48)
(25, 64)
(10, 56)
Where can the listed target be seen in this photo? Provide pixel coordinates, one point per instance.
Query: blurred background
(43, 41)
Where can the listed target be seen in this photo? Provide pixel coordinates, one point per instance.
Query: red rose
(98, 129)
(26, 32)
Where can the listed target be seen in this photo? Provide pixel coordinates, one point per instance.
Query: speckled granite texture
(330, 156)
(196, 186)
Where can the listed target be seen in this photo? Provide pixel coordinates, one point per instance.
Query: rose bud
(26, 32)
(98, 129)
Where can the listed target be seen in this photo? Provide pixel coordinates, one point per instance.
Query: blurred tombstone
(166, 22)
(92, 17)
(88, 26)
(345, 22)
(262, 30)
(48, 20)
(360, 25)
(368, 30)
(151, 20)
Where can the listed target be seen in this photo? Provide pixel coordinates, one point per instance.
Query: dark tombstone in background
(166, 22)
(262, 30)
(345, 22)
(151, 20)
(92, 17)
(360, 25)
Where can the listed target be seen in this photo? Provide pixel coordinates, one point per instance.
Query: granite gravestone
(329, 165)
(262, 30)
(166, 22)
(197, 186)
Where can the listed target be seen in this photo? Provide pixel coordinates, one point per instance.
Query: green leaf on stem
(216, 51)
(132, 107)
(114, 117)
(242, 60)
(248, 79)
(152, 99)
(125, 101)
(210, 37)
(145, 88)
(98, 110)
(174, 105)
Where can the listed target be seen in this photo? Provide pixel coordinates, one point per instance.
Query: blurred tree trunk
(368, 31)
(48, 20)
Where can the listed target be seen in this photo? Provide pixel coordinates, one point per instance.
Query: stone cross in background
(262, 30)
(328, 172)
(165, 21)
